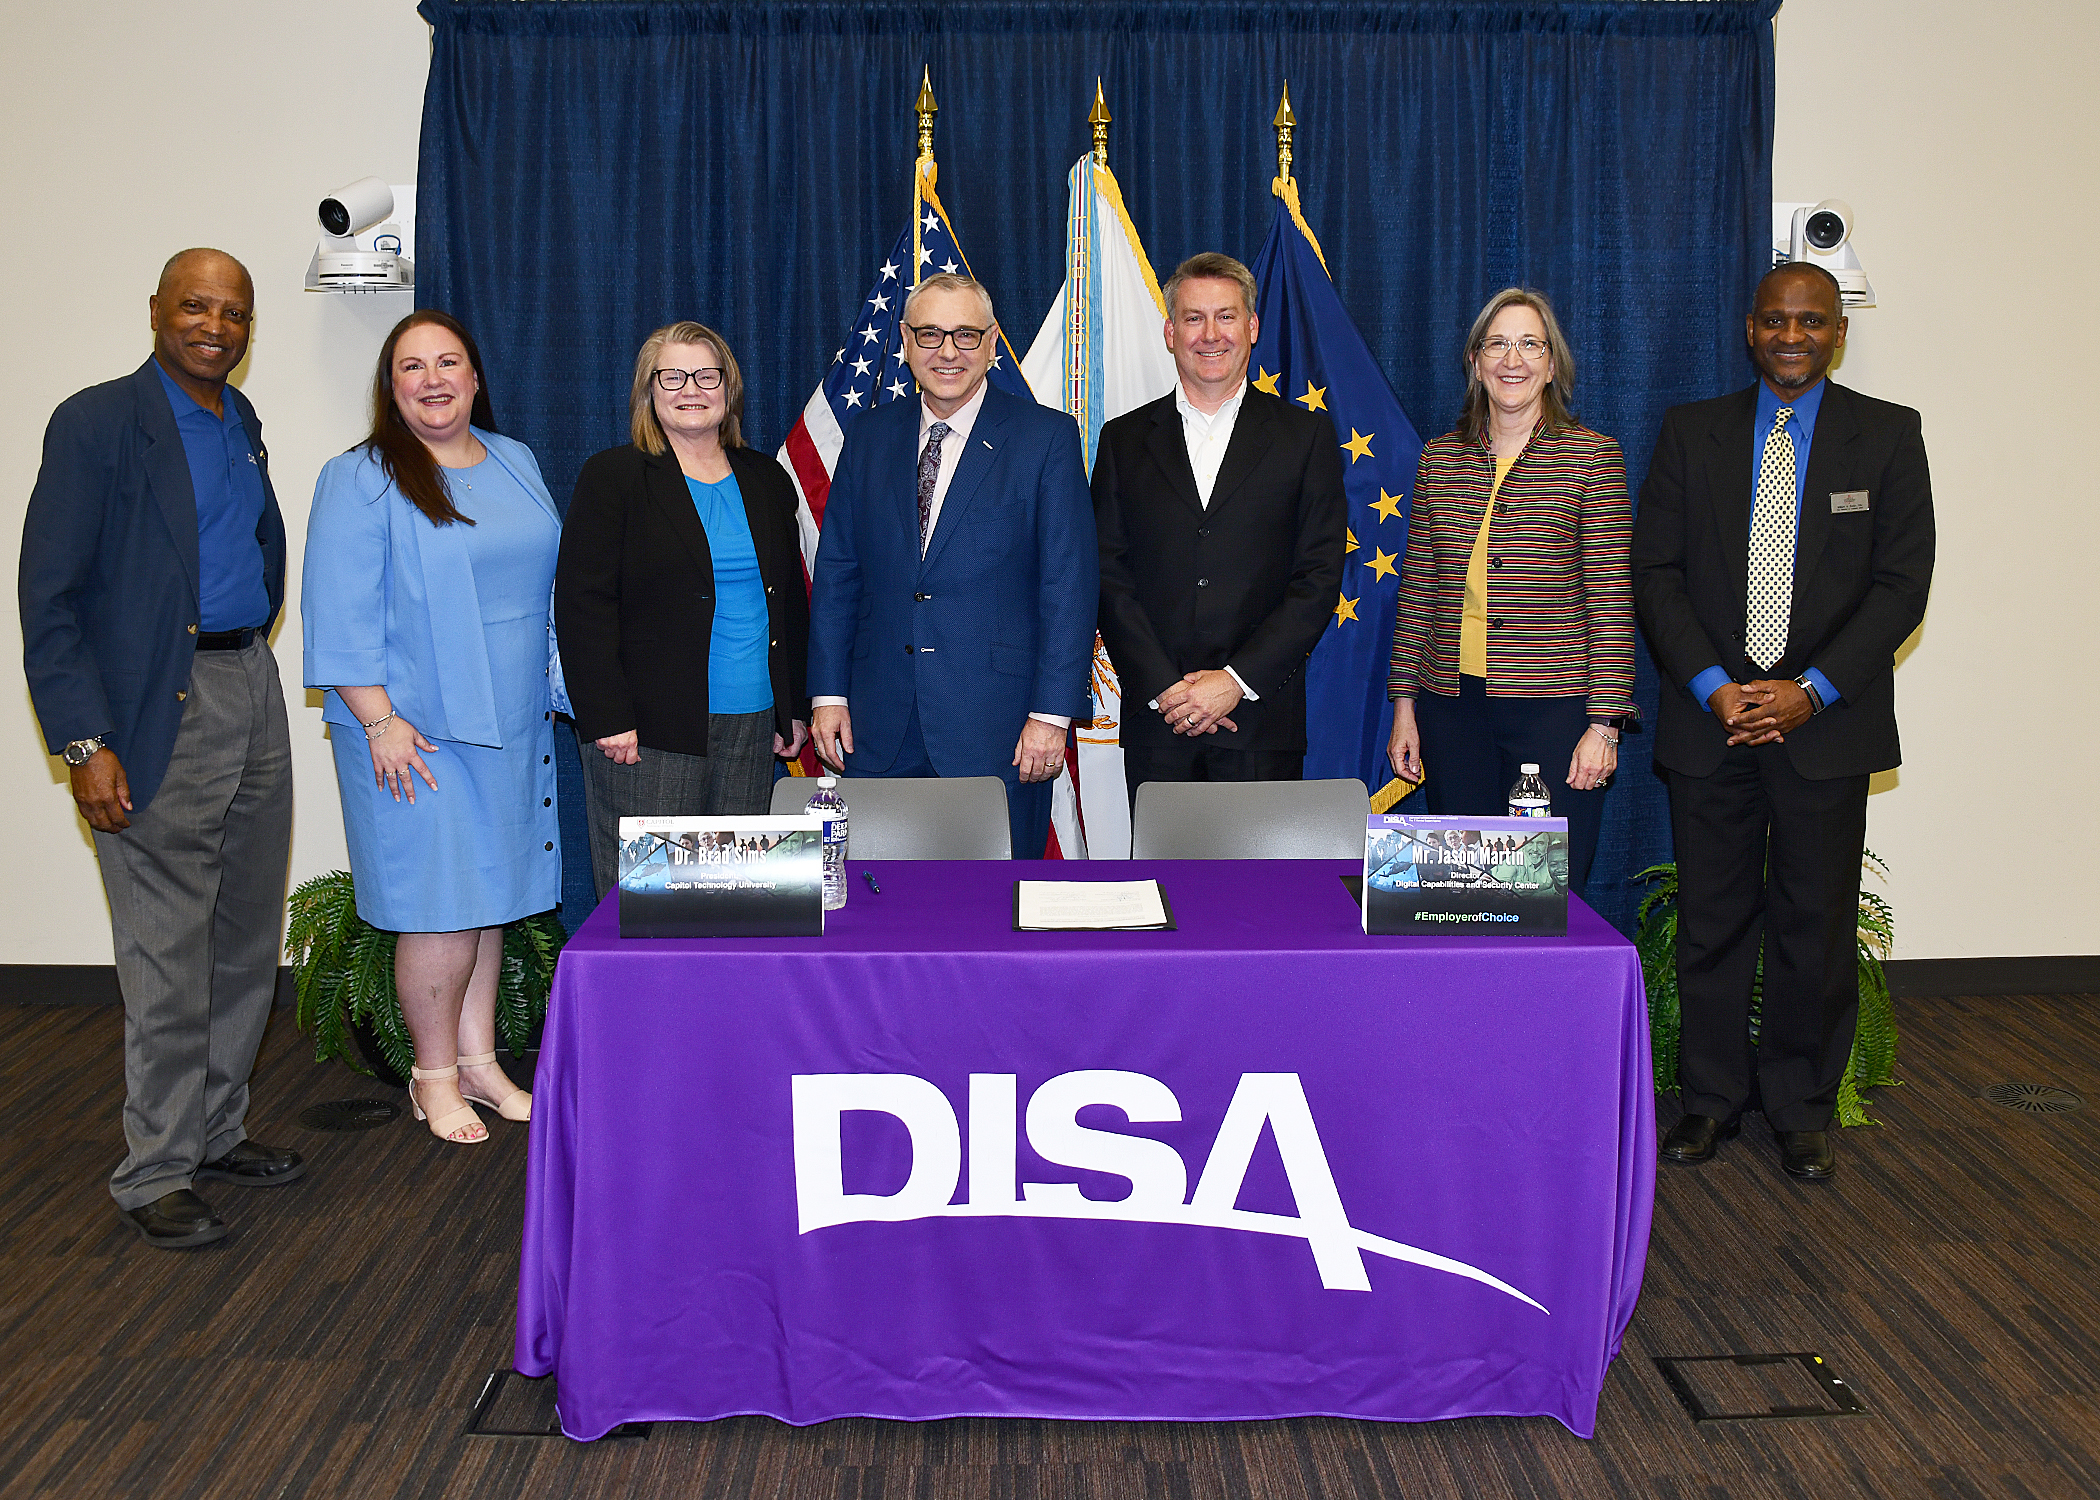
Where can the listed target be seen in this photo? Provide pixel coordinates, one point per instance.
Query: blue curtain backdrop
(593, 169)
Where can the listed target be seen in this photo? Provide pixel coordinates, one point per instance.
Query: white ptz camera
(1821, 235)
(364, 242)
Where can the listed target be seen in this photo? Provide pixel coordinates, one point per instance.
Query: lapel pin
(988, 446)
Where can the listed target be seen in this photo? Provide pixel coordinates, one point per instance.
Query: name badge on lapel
(1846, 502)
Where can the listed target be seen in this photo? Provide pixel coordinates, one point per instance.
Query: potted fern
(1873, 1059)
(343, 968)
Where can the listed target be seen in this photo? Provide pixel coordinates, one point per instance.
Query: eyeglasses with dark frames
(674, 380)
(931, 337)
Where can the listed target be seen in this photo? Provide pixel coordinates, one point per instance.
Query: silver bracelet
(378, 724)
(1607, 736)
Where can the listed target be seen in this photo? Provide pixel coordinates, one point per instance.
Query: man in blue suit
(952, 606)
(152, 569)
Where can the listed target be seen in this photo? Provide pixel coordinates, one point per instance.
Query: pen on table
(869, 877)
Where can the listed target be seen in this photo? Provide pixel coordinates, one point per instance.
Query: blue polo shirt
(1802, 428)
(227, 476)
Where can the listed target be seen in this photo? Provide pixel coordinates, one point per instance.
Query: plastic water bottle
(829, 804)
(1529, 797)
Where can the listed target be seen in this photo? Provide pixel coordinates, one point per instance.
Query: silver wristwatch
(80, 752)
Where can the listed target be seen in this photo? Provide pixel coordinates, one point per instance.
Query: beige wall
(1926, 116)
(1963, 138)
(132, 130)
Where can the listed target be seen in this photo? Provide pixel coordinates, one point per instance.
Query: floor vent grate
(2033, 1098)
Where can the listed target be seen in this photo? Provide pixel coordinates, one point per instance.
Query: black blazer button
(550, 844)
(1496, 622)
(907, 648)
(546, 760)
(1494, 562)
(1203, 531)
(546, 801)
(1203, 583)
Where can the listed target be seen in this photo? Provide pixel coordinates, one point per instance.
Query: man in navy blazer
(152, 568)
(952, 605)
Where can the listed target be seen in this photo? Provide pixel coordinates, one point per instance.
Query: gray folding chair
(906, 817)
(1250, 820)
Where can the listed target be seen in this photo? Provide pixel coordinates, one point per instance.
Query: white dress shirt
(953, 442)
(1208, 435)
(956, 439)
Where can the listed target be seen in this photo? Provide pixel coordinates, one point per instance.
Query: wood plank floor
(336, 1344)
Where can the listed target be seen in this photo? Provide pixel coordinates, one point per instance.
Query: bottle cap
(1530, 768)
(834, 781)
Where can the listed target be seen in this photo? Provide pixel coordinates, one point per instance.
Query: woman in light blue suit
(429, 567)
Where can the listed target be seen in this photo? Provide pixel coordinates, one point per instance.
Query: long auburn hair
(1554, 414)
(410, 465)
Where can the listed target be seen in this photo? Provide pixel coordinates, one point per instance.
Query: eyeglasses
(1529, 347)
(930, 337)
(674, 380)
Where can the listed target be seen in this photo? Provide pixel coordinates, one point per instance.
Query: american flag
(869, 369)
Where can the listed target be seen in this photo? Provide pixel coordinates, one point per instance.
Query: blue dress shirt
(1802, 428)
(739, 664)
(226, 474)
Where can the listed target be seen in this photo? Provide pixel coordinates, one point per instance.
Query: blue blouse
(739, 661)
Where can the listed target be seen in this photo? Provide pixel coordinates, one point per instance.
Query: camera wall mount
(367, 241)
(1821, 234)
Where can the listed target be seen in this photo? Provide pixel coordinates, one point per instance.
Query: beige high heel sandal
(462, 1127)
(515, 1105)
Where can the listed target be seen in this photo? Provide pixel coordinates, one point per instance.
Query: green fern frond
(1873, 1060)
(343, 973)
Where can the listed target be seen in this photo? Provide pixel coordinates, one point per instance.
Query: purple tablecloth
(1397, 1178)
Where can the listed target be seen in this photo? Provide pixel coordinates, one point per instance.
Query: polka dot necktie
(929, 475)
(1772, 528)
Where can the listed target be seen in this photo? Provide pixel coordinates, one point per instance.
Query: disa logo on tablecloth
(1158, 1177)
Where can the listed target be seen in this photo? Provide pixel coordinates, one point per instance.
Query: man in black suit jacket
(152, 569)
(1782, 553)
(1220, 514)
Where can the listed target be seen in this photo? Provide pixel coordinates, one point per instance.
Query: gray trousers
(733, 780)
(196, 907)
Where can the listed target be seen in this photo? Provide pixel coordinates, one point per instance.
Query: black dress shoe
(1806, 1153)
(177, 1221)
(252, 1164)
(1694, 1138)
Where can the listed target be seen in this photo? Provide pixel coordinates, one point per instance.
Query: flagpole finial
(1285, 123)
(926, 109)
(1098, 117)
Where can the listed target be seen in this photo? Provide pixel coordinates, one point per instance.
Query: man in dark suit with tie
(1220, 512)
(152, 567)
(952, 603)
(1782, 553)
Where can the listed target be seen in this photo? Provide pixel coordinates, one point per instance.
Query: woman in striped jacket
(1513, 640)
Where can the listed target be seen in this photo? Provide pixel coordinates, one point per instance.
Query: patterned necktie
(1772, 527)
(929, 474)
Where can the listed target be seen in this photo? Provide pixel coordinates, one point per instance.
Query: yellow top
(1473, 624)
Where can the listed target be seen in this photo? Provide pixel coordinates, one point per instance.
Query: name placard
(1486, 876)
(721, 877)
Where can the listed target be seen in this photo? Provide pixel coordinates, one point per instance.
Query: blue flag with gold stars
(1310, 352)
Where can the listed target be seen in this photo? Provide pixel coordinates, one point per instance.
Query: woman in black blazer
(680, 604)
